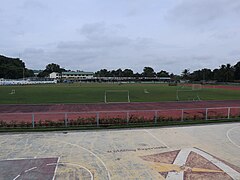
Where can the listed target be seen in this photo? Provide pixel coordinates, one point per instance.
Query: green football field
(95, 93)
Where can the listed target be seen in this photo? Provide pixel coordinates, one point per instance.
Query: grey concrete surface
(115, 154)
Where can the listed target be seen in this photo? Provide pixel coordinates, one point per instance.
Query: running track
(28, 108)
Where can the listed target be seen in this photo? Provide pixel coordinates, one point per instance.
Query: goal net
(187, 95)
(116, 96)
(196, 87)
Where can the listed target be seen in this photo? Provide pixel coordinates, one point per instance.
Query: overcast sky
(94, 34)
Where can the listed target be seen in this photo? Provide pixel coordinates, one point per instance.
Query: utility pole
(23, 72)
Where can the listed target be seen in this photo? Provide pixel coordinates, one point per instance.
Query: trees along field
(225, 73)
(13, 68)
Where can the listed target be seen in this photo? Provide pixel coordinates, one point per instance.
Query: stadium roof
(77, 73)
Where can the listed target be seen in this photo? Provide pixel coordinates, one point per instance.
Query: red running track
(55, 112)
(30, 108)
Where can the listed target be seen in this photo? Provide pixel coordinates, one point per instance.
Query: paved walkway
(182, 158)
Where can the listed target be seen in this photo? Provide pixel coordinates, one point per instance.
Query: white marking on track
(227, 134)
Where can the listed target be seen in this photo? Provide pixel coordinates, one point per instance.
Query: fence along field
(95, 93)
(121, 117)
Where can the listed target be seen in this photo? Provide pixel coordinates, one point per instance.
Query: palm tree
(185, 74)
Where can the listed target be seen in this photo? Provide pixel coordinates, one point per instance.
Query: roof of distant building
(77, 73)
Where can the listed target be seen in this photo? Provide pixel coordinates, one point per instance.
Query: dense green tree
(128, 73)
(148, 72)
(224, 74)
(202, 75)
(229, 73)
(237, 71)
(137, 75)
(117, 73)
(13, 68)
(185, 74)
(51, 68)
(103, 73)
(163, 73)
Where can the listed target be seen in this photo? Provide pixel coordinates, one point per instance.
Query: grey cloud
(101, 49)
(202, 57)
(33, 51)
(100, 30)
(117, 52)
(33, 4)
(226, 34)
(35, 57)
(195, 12)
(93, 29)
(98, 43)
(131, 13)
(235, 52)
(192, 62)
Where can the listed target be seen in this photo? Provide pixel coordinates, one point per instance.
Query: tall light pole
(23, 72)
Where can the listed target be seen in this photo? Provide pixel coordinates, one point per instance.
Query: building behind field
(72, 75)
(75, 76)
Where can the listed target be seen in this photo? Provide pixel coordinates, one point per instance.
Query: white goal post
(196, 87)
(116, 92)
(187, 95)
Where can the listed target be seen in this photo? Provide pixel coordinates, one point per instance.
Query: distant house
(55, 75)
(72, 75)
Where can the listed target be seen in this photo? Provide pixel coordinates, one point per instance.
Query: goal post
(116, 96)
(196, 87)
(187, 95)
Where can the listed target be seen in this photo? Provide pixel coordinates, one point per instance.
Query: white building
(72, 75)
(55, 75)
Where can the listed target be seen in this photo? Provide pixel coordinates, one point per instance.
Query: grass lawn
(94, 93)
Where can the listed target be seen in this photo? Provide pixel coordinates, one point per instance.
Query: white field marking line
(230, 138)
(156, 138)
(73, 164)
(16, 177)
(55, 171)
(109, 177)
(30, 169)
(36, 168)
(25, 146)
(25, 172)
(13, 159)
